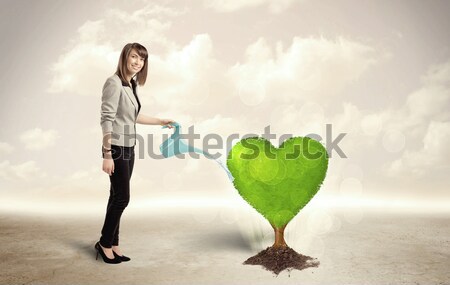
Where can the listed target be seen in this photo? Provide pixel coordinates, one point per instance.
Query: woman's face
(134, 62)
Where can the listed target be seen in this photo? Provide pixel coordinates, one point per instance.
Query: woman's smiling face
(134, 62)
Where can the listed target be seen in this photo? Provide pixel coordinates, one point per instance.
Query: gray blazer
(119, 111)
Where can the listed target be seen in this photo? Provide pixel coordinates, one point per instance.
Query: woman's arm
(147, 120)
(110, 103)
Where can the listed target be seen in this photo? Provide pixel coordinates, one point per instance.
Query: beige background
(376, 70)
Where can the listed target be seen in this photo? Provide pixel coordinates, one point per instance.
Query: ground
(171, 247)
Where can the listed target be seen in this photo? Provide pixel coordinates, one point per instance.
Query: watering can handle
(175, 124)
(176, 131)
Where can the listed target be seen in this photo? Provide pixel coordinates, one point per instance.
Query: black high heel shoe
(99, 249)
(121, 257)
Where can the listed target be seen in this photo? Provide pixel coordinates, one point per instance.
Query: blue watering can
(175, 145)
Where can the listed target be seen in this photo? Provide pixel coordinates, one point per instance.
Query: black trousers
(119, 194)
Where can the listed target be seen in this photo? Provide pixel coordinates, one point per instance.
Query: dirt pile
(279, 259)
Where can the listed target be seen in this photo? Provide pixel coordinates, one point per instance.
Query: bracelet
(106, 149)
(108, 156)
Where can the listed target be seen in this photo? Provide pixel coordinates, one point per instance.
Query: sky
(376, 71)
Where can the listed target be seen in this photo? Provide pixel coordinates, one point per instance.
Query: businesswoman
(119, 114)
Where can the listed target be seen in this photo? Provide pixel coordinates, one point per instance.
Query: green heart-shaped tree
(278, 182)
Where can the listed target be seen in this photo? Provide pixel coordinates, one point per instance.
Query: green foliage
(278, 182)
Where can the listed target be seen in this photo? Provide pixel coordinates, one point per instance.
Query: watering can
(174, 145)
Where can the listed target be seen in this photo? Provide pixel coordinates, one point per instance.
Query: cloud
(309, 69)
(438, 74)
(38, 139)
(296, 88)
(214, 132)
(92, 55)
(433, 99)
(428, 103)
(5, 148)
(183, 77)
(27, 171)
(418, 130)
(408, 140)
(80, 70)
(372, 123)
(433, 155)
(425, 119)
(227, 6)
(195, 62)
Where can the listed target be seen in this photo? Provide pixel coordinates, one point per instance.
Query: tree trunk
(279, 237)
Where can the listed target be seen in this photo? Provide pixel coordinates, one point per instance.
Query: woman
(119, 115)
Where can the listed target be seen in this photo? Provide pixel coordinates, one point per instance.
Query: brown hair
(122, 65)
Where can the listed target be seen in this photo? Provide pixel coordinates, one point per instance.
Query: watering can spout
(174, 145)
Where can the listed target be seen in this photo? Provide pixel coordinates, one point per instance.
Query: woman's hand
(167, 122)
(147, 120)
(108, 166)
